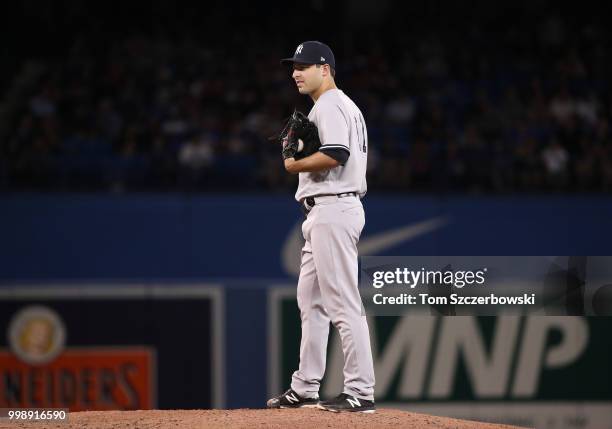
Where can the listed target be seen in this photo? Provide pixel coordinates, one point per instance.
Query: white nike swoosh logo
(370, 245)
(384, 240)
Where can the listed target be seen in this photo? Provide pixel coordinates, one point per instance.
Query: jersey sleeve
(333, 128)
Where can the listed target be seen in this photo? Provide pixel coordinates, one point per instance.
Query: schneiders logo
(413, 278)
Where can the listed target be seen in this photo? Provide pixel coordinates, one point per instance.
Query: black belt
(309, 202)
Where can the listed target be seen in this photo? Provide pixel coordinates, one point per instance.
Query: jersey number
(361, 137)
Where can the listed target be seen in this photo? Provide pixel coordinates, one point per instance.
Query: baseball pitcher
(328, 150)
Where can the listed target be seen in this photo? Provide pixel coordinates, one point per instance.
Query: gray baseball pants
(327, 291)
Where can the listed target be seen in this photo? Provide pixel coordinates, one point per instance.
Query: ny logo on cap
(299, 49)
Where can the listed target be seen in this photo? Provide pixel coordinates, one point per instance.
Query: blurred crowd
(523, 107)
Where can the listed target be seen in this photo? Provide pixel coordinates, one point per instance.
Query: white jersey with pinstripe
(341, 126)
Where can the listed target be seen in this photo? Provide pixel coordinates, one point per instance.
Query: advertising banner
(534, 371)
(111, 347)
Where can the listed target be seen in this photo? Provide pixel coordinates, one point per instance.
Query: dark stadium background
(459, 97)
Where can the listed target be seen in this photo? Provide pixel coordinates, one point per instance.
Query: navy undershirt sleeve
(339, 154)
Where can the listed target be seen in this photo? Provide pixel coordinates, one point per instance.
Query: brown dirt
(247, 418)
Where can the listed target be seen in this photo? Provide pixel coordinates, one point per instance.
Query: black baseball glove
(299, 127)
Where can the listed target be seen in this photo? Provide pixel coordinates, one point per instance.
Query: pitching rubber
(301, 406)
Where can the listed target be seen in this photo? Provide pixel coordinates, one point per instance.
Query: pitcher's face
(307, 77)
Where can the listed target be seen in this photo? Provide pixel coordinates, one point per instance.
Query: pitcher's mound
(294, 419)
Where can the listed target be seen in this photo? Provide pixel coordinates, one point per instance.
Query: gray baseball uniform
(327, 287)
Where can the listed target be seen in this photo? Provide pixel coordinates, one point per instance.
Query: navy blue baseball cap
(312, 52)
